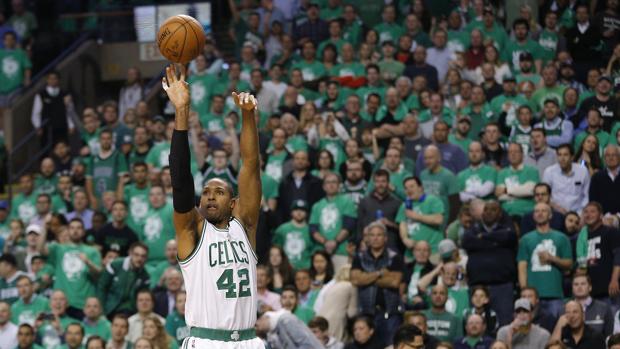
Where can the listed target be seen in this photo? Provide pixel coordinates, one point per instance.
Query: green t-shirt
(368, 11)
(304, 314)
(447, 116)
(105, 172)
(138, 201)
(546, 278)
(200, 92)
(158, 155)
(335, 147)
(396, 181)
(101, 328)
(14, 63)
(329, 214)
(398, 115)
(602, 136)
(497, 106)
(310, 70)
(543, 93)
(157, 270)
(444, 326)
(389, 32)
(418, 231)
(509, 176)
(548, 42)
(337, 43)
(48, 335)
(176, 326)
(327, 13)
(46, 185)
(296, 242)
(296, 143)
(391, 69)
(458, 41)
(463, 143)
(441, 184)
(475, 177)
(269, 187)
(348, 69)
(224, 85)
(156, 232)
(72, 275)
(513, 50)
(478, 119)
(23, 207)
(363, 93)
(22, 313)
(352, 33)
(273, 167)
(534, 78)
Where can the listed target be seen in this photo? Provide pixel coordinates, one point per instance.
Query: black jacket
(310, 190)
(491, 254)
(601, 186)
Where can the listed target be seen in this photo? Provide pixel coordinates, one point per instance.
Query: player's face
(216, 201)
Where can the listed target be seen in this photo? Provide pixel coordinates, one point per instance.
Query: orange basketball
(181, 39)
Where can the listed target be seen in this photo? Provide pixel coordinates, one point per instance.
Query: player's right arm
(186, 217)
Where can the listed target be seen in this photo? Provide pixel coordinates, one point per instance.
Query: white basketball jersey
(220, 279)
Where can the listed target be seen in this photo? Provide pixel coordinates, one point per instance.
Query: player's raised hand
(176, 88)
(245, 101)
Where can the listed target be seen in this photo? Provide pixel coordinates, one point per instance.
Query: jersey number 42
(227, 283)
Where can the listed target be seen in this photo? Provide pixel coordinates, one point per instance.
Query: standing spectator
(569, 182)
(104, 169)
(440, 182)
(607, 181)
(145, 303)
(598, 315)
(441, 323)
(268, 100)
(522, 43)
(515, 184)
(494, 152)
(332, 220)
(120, 132)
(119, 331)
(452, 156)
(294, 236)
(522, 333)
(603, 100)
(175, 321)
(572, 329)
(16, 66)
(412, 137)
(337, 302)
(388, 29)
(379, 204)
(420, 217)
(116, 235)
(583, 41)
(8, 330)
(299, 184)
(29, 305)
(439, 55)
(491, 244)
(542, 194)
(540, 155)
(420, 67)
(543, 256)
(122, 279)
(600, 252)
(76, 266)
(377, 272)
(314, 29)
(23, 21)
(551, 89)
(557, 130)
(474, 334)
(354, 186)
(94, 323)
(436, 112)
(478, 180)
(319, 326)
(80, 209)
(136, 193)
(420, 266)
(132, 92)
(54, 106)
(158, 228)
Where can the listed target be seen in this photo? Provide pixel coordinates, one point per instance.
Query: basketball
(181, 39)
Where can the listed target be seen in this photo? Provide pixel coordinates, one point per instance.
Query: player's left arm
(248, 205)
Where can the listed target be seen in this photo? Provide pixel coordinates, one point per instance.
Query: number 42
(226, 283)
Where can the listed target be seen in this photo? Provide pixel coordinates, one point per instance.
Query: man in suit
(165, 296)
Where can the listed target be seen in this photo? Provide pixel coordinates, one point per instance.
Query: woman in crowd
(154, 331)
(281, 269)
(337, 302)
(589, 155)
(321, 270)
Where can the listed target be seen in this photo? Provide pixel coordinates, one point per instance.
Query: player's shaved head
(217, 201)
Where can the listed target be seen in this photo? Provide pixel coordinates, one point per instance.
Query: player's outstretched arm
(250, 193)
(185, 216)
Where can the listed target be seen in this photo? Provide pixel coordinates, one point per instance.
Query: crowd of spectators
(435, 174)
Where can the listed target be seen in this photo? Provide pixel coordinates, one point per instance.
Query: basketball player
(216, 240)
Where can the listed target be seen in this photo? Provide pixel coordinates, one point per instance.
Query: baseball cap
(4, 205)
(159, 118)
(509, 78)
(464, 118)
(605, 77)
(313, 4)
(34, 228)
(523, 303)
(552, 100)
(445, 248)
(299, 205)
(525, 56)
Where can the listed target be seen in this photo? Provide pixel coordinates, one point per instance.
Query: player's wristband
(180, 173)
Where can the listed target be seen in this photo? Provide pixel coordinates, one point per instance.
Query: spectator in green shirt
(175, 321)
(441, 323)
(544, 255)
(15, 66)
(119, 330)
(522, 43)
(8, 278)
(29, 305)
(514, 187)
(94, 323)
(74, 334)
(26, 337)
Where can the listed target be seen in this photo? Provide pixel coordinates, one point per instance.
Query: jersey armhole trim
(246, 238)
(196, 248)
